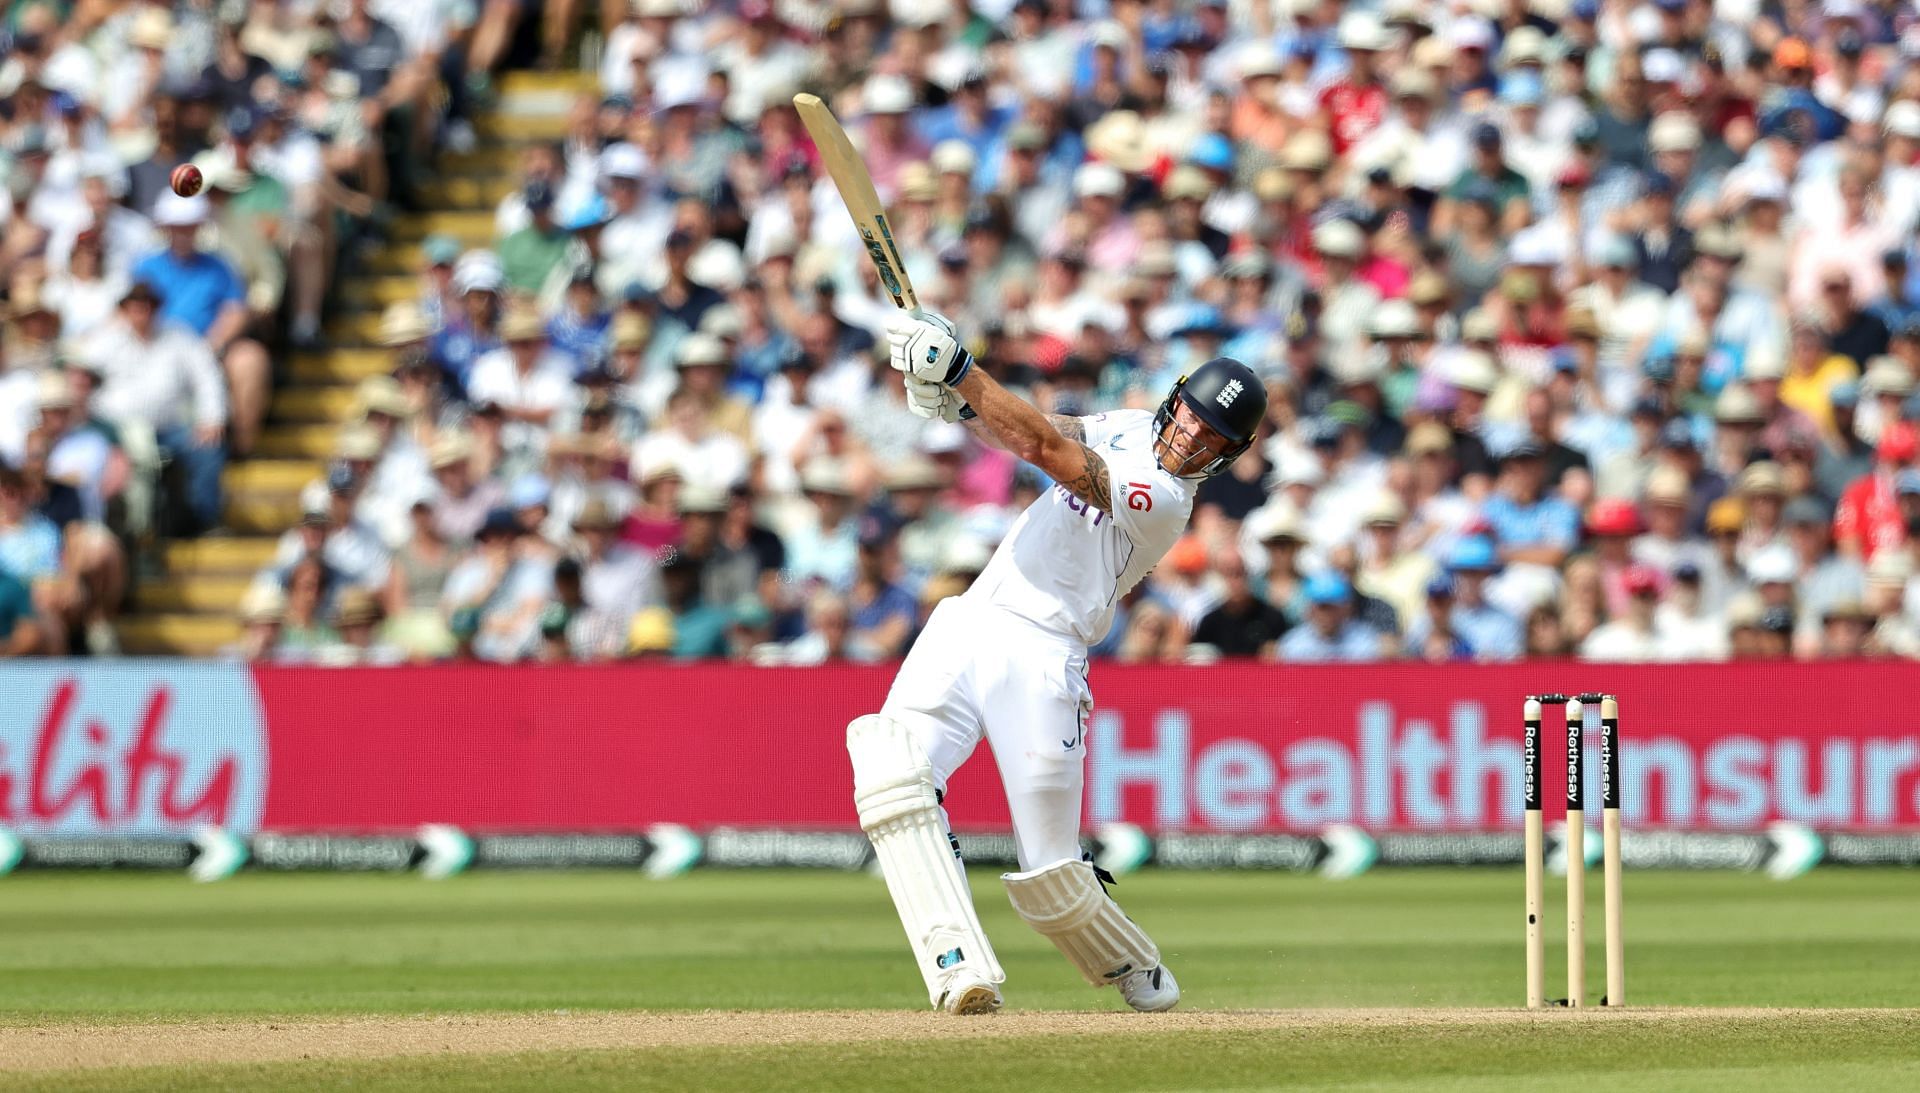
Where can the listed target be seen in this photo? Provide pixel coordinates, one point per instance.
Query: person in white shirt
(760, 64)
(656, 41)
(1346, 300)
(125, 235)
(708, 458)
(526, 378)
(1693, 631)
(165, 378)
(1638, 636)
(1007, 661)
(85, 293)
(504, 583)
(636, 230)
(329, 530)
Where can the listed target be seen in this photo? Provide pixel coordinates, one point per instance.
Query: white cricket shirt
(1064, 564)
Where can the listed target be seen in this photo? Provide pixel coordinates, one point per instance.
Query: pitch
(723, 981)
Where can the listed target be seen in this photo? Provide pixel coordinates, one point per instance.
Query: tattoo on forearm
(1093, 484)
(1070, 427)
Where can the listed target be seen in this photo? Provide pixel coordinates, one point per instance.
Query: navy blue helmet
(1227, 396)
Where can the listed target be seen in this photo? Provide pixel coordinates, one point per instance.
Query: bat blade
(850, 177)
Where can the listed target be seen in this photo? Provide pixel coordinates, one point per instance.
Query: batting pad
(1065, 903)
(893, 789)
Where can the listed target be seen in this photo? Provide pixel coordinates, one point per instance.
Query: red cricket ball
(187, 180)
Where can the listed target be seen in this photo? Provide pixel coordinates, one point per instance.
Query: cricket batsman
(1008, 661)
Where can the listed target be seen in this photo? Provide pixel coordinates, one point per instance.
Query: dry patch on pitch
(68, 1047)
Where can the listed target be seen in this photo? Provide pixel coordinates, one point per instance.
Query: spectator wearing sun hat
(1762, 489)
(472, 329)
(200, 291)
(1356, 103)
(160, 378)
(687, 435)
(528, 379)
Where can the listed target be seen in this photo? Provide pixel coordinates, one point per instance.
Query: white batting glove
(925, 398)
(925, 345)
(934, 401)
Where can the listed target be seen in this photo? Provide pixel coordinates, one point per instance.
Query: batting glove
(925, 345)
(935, 401)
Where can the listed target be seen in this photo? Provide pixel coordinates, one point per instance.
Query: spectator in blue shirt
(201, 292)
(1432, 636)
(1489, 633)
(967, 117)
(1331, 632)
(474, 330)
(29, 543)
(199, 289)
(580, 329)
(1528, 526)
(883, 613)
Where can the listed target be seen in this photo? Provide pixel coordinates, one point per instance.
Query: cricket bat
(856, 189)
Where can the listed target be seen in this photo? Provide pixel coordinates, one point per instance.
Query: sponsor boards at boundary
(1782, 850)
(158, 748)
(1400, 771)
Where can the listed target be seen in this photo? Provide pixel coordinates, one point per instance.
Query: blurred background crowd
(146, 330)
(1591, 327)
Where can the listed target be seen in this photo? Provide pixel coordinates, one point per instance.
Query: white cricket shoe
(969, 995)
(1151, 990)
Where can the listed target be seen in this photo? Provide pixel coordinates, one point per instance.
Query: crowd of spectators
(1590, 329)
(142, 326)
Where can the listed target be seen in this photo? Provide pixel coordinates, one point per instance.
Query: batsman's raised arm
(1049, 442)
(927, 347)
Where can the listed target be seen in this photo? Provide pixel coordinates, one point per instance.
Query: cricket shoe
(1151, 990)
(968, 995)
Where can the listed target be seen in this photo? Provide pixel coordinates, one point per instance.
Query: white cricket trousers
(978, 669)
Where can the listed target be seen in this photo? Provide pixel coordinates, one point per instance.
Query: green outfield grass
(87, 949)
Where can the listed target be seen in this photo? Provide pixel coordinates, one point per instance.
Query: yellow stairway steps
(468, 192)
(341, 366)
(379, 291)
(191, 609)
(472, 227)
(177, 634)
(315, 441)
(272, 475)
(217, 556)
(577, 81)
(522, 127)
(200, 594)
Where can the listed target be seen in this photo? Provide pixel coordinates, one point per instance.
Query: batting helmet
(1228, 397)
